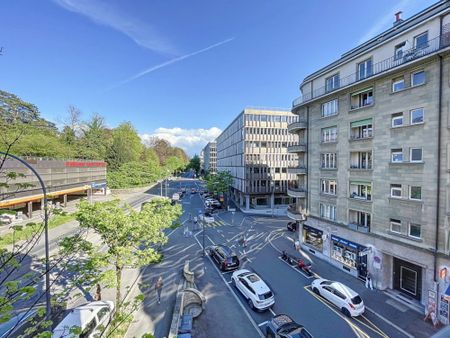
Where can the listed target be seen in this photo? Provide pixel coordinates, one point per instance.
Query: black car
(225, 258)
(284, 326)
(292, 226)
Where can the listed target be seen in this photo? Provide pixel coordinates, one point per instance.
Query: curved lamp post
(47, 263)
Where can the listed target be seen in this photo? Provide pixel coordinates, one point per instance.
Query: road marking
(390, 323)
(234, 295)
(229, 282)
(272, 312)
(263, 323)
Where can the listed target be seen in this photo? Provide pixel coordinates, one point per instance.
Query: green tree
(130, 236)
(126, 146)
(174, 164)
(220, 182)
(95, 139)
(194, 164)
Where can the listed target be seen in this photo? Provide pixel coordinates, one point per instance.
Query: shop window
(313, 237)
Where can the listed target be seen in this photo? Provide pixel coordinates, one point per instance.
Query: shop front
(312, 238)
(349, 256)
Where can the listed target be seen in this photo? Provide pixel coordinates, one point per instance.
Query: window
(361, 190)
(277, 170)
(418, 78)
(417, 116)
(396, 155)
(415, 193)
(328, 211)
(399, 50)
(330, 108)
(364, 69)
(397, 120)
(328, 186)
(361, 129)
(332, 83)
(284, 170)
(398, 84)
(416, 155)
(421, 40)
(329, 134)
(361, 160)
(396, 226)
(359, 218)
(328, 161)
(415, 230)
(362, 98)
(396, 190)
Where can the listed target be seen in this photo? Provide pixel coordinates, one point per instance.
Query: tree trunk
(118, 289)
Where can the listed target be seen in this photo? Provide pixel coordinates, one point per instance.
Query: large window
(417, 116)
(328, 161)
(329, 134)
(330, 108)
(360, 218)
(328, 211)
(361, 160)
(396, 190)
(421, 40)
(398, 84)
(361, 190)
(397, 155)
(328, 186)
(415, 193)
(396, 226)
(362, 98)
(415, 230)
(361, 129)
(397, 120)
(365, 69)
(416, 155)
(418, 78)
(332, 83)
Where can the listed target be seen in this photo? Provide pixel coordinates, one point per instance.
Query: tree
(174, 163)
(126, 146)
(95, 139)
(130, 236)
(220, 182)
(194, 164)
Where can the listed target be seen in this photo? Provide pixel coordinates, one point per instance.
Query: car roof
(78, 316)
(344, 289)
(226, 250)
(257, 283)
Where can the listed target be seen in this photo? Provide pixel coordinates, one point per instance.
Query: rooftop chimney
(398, 19)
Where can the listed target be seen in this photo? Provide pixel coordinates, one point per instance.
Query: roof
(344, 289)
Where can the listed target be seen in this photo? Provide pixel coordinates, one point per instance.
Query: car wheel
(316, 291)
(250, 303)
(346, 312)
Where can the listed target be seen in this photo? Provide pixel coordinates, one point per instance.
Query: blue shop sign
(98, 185)
(350, 244)
(311, 229)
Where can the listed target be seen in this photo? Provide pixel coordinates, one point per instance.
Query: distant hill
(13, 109)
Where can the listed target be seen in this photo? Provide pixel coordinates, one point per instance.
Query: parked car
(176, 197)
(347, 300)
(225, 258)
(193, 191)
(283, 326)
(254, 289)
(292, 226)
(6, 219)
(206, 217)
(88, 317)
(214, 204)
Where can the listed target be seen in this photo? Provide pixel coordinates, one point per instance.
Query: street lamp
(47, 260)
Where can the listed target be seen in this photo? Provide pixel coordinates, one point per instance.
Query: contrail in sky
(169, 62)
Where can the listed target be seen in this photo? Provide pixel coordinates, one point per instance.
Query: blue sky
(178, 69)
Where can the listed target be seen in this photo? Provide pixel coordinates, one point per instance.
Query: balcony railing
(367, 134)
(358, 227)
(361, 166)
(412, 54)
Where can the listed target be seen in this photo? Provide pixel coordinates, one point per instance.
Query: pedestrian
(158, 288)
(98, 292)
(369, 281)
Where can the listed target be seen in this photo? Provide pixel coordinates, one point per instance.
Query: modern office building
(210, 158)
(63, 180)
(253, 148)
(374, 144)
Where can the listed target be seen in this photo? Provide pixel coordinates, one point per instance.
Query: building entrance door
(362, 266)
(408, 278)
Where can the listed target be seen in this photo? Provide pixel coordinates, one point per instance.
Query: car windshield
(232, 259)
(266, 295)
(326, 282)
(356, 300)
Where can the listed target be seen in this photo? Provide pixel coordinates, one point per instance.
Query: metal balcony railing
(409, 55)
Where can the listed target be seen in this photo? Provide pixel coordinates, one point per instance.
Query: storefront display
(345, 252)
(313, 238)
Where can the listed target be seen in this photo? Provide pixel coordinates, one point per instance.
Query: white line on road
(263, 323)
(390, 323)
(272, 312)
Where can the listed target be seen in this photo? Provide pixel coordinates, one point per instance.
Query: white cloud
(191, 140)
(102, 12)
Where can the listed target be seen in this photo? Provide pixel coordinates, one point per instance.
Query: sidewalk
(407, 319)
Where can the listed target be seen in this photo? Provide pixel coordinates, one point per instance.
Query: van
(88, 317)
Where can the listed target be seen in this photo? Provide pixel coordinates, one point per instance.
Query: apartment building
(210, 158)
(374, 142)
(253, 148)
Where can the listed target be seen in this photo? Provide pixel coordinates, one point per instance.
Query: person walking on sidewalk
(158, 288)
(369, 281)
(98, 292)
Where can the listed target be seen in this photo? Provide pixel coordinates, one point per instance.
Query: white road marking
(234, 295)
(263, 323)
(272, 312)
(390, 323)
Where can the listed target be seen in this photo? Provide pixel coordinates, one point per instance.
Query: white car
(88, 317)
(253, 288)
(206, 217)
(347, 300)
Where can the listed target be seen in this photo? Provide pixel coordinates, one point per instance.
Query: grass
(24, 232)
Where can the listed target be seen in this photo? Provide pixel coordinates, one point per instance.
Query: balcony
(433, 45)
(294, 213)
(296, 191)
(297, 170)
(294, 127)
(298, 148)
(360, 228)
